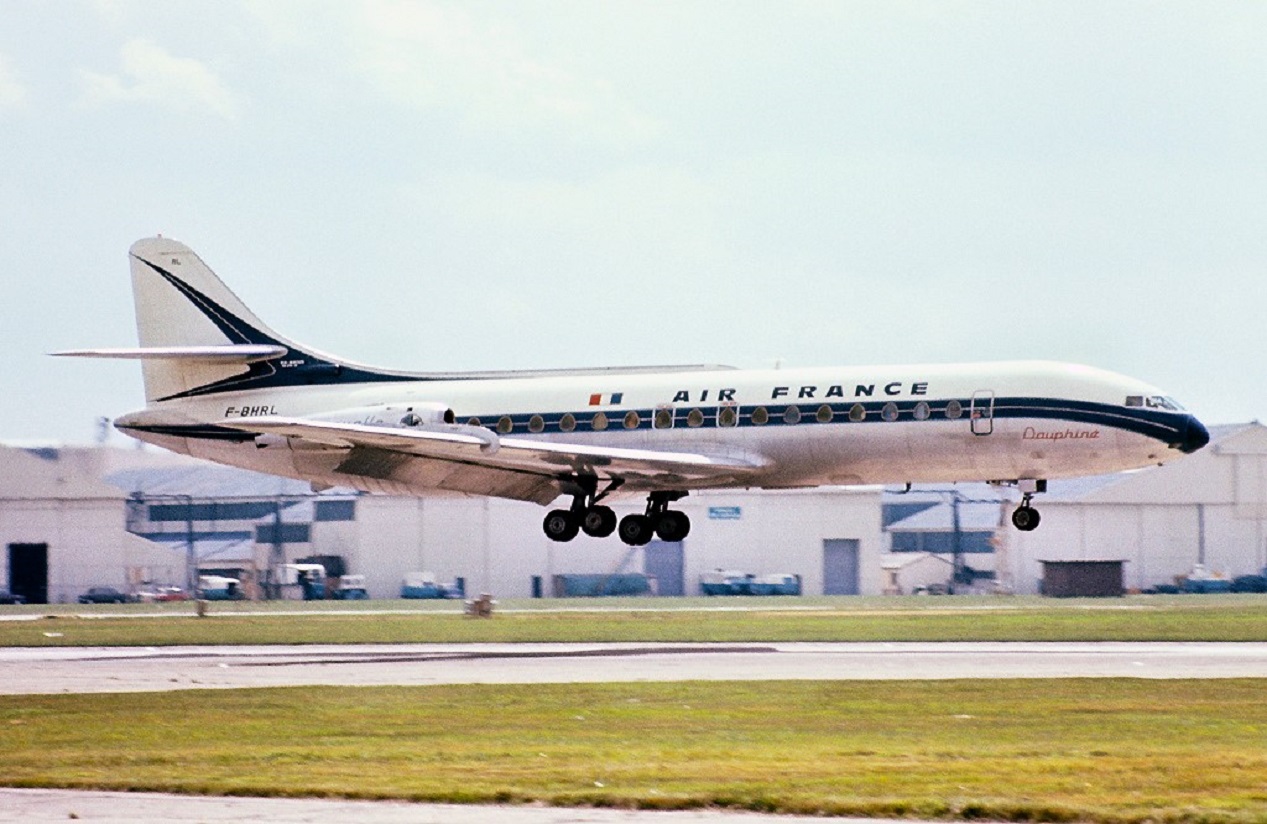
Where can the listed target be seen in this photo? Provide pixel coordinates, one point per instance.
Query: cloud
(441, 57)
(12, 93)
(152, 75)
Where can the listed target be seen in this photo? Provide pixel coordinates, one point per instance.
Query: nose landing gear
(1025, 517)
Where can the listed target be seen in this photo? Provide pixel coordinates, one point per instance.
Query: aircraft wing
(474, 460)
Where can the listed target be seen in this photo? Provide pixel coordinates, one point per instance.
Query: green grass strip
(1103, 750)
(1191, 618)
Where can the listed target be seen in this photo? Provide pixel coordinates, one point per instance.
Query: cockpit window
(1154, 402)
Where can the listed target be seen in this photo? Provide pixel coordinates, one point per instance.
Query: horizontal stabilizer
(229, 353)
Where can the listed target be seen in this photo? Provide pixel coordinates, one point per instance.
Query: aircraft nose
(1193, 435)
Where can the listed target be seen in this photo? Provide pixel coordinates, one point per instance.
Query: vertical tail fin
(180, 303)
(197, 338)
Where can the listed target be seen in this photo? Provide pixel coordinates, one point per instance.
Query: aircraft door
(982, 412)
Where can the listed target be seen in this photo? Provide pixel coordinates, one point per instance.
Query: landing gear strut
(1025, 517)
(586, 514)
(598, 521)
(669, 524)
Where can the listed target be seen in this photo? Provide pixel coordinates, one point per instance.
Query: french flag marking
(606, 400)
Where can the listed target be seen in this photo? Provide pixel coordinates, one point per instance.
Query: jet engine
(411, 415)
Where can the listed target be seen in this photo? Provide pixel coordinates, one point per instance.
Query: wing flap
(472, 459)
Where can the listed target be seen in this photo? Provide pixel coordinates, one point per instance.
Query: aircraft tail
(197, 338)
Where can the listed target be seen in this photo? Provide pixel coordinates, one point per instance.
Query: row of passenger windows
(726, 416)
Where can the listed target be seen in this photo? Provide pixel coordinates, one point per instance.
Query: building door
(840, 566)
(664, 561)
(28, 571)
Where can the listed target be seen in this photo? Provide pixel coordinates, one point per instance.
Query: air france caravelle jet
(221, 385)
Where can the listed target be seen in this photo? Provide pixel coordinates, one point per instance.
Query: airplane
(221, 385)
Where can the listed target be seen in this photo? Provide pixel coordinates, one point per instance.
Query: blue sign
(725, 513)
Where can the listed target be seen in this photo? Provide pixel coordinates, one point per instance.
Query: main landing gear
(598, 521)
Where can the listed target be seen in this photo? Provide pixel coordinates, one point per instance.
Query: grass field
(1101, 750)
(1138, 618)
(1061, 750)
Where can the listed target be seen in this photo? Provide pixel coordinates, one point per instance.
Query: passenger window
(792, 415)
(474, 422)
(695, 418)
(760, 416)
(889, 412)
(632, 420)
(599, 422)
(536, 424)
(922, 411)
(824, 414)
(567, 423)
(663, 419)
(954, 410)
(726, 416)
(505, 425)
(857, 413)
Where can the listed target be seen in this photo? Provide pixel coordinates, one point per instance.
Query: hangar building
(76, 517)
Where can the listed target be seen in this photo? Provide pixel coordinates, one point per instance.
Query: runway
(126, 669)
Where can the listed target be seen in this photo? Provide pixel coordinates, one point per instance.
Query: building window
(335, 511)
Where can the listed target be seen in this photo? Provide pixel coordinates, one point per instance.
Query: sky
(501, 185)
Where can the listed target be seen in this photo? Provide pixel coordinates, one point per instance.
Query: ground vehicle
(351, 588)
(7, 597)
(103, 595)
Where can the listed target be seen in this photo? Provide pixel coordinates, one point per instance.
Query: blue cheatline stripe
(1160, 425)
(1166, 427)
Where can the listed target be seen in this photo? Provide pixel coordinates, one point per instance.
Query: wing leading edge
(474, 460)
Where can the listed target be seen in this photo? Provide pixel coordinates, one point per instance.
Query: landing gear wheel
(1025, 518)
(598, 521)
(636, 530)
(672, 526)
(559, 525)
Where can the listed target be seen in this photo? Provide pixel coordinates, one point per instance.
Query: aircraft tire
(672, 526)
(559, 525)
(636, 530)
(598, 521)
(1026, 518)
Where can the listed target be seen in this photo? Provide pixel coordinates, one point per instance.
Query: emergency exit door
(982, 412)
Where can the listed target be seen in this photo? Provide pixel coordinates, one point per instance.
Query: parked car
(1249, 583)
(7, 597)
(103, 595)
